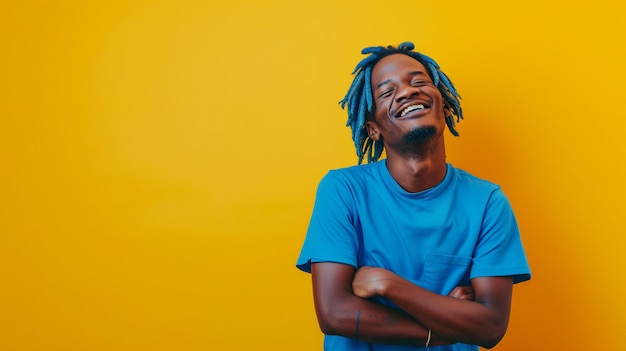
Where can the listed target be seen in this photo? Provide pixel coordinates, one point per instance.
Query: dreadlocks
(360, 100)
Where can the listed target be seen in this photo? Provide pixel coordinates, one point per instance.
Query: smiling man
(409, 252)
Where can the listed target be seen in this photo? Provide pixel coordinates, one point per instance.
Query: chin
(418, 135)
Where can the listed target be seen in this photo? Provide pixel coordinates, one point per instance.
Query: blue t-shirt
(438, 238)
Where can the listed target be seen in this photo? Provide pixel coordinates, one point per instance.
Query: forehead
(395, 65)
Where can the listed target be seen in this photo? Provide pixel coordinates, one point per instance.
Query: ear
(447, 111)
(373, 130)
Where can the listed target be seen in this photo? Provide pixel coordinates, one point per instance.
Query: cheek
(391, 127)
(382, 108)
(381, 116)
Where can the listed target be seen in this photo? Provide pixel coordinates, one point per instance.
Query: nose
(406, 91)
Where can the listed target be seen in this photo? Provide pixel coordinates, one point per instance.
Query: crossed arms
(473, 315)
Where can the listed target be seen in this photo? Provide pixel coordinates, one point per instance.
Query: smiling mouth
(411, 108)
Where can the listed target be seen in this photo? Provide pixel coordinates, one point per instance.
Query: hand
(463, 293)
(370, 281)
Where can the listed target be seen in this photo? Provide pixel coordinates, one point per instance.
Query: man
(409, 252)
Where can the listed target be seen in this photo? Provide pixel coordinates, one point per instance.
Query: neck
(418, 172)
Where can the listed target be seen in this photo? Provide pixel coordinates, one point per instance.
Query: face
(408, 108)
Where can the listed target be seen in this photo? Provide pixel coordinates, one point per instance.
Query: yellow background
(159, 161)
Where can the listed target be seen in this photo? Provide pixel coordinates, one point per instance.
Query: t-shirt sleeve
(499, 251)
(331, 236)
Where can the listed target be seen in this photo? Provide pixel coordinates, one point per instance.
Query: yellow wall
(159, 161)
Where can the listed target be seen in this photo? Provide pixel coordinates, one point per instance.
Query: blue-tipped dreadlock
(360, 100)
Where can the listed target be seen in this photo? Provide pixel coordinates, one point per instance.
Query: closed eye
(385, 93)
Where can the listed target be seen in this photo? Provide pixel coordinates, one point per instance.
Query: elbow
(492, 338)
(489, 344)
(327, 327)
(332, 322)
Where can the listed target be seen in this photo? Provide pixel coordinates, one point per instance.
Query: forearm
(471, 322)
(341, 312)
(357, 318)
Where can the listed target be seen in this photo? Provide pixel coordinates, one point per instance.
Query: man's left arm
(480, 322)
(498, 262)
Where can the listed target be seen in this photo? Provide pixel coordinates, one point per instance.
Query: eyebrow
(412, 74)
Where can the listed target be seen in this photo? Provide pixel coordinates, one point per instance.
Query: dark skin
(337, 306)
(408, 103)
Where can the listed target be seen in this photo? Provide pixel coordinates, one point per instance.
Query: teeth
(411, 108)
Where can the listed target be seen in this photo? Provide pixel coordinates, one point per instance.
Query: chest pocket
(444, 272)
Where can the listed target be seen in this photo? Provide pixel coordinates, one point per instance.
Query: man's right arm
(340, 312)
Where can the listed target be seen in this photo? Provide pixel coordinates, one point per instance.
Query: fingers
(463, 293)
